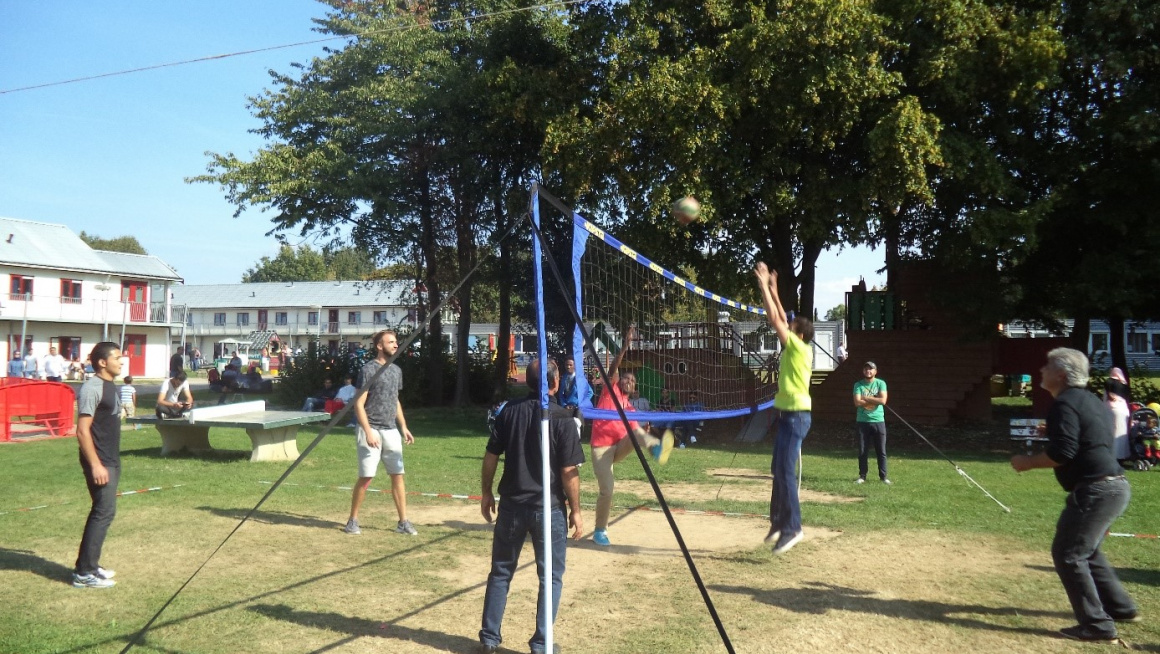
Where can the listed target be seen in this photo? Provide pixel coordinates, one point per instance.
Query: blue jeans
(1091, 584)
(785, 514)
(512, 527)
(100, 517)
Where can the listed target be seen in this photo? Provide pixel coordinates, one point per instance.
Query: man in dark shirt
(99, 439)
(1079, 449)
(176, 363)
(521, 510)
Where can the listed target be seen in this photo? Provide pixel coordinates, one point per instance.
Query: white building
(64, 294)
(335, 313)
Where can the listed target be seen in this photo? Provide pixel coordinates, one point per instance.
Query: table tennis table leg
(177, 437)
(278, 444)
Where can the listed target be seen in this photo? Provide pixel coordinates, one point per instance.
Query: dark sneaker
(352, 527)
(787, 541)
(1129, 617)
(405, 527)
(773, 536)
(487, 649)
(1080, 632)
(555, 649)
(91, 581)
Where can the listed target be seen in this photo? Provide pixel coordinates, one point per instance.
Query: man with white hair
(1079, 449)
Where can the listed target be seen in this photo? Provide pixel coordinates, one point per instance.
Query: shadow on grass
(819, 598)
(1139, 576)
(26, 560)
(362, 628)
(207, 455)
(274, 518)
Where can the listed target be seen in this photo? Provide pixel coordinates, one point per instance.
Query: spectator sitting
(229, 382)
(175, 398)
(667, 404)
(76, 370)
(347, 392)
(253, 380)
(317, 402)
(689, 428)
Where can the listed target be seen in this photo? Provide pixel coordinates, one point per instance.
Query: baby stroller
(1144, 438)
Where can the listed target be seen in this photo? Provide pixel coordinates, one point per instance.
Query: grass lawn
(926, 565)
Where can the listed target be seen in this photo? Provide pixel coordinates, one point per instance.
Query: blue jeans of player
(512, 527)
(100, 517)
(1091, 584)
(785, 513)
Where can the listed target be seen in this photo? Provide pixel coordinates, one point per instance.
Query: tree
(290, 265)
(837, 313)
(128, 244)
(420, 136)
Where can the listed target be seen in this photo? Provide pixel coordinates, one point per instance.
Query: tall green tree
(420, 136)
(127, 244)
(301, 264)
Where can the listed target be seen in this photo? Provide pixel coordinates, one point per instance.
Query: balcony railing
(96, 310)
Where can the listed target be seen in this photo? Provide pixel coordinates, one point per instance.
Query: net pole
(538, 236)
(545, 458)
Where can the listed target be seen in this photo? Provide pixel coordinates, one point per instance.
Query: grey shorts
(389, 451)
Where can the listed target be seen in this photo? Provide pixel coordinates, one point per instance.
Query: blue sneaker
(600, 537)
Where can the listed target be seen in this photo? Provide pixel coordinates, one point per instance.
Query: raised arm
(767, 283)
(614, 369)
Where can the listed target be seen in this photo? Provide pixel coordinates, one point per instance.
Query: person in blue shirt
(568, 395)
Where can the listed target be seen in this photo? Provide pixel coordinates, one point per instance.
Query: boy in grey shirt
(381, 432)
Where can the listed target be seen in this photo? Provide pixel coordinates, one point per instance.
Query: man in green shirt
(794, 415)
(870, 397)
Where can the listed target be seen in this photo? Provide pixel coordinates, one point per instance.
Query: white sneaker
(91, 581)
(773, 536)
(786, 542)
(860, 480)
(405, 527)
(106, 574)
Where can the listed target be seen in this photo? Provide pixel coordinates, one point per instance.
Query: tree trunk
(502, 346)
(1116, 342)
(433, 343)
(465, 240)
(1081, 332)
(810, 253)
(782, 246)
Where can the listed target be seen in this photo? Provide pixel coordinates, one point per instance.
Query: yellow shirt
(797, 364)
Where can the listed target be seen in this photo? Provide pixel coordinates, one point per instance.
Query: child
(129, 400)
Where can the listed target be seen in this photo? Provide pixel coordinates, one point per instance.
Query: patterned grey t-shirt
(383, 396)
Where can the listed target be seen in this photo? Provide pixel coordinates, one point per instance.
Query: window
(1138, 342)
(353, 317)
(380, 317)
(312, 318)
(21, 286)
(1099, 342)
(189, 318)
(243, 318)
(1156, 342)
(219, 319)
(280, 318)
(70, 291)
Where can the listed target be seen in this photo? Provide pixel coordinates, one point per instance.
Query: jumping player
(794, 415)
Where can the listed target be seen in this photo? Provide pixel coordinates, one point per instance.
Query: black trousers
(100, 517)
(871, 433)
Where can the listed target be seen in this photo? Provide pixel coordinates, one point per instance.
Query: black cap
(870, 364)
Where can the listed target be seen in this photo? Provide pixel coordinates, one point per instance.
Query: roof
(55, 247)
(391, 293)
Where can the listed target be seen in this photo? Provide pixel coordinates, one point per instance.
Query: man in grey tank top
(381, 431)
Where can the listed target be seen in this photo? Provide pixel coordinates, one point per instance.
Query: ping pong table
(274, 434)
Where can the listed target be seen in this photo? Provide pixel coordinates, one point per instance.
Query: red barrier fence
(29, 407)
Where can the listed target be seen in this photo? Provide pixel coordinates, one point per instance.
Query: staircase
(932, 377)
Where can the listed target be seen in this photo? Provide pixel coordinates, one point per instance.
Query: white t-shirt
(54, 366)
(173, 394)
(346, 394)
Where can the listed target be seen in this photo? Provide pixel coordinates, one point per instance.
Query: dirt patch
(738, 485)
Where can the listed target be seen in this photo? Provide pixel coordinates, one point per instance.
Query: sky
(110, 156)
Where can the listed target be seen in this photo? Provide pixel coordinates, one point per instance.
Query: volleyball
(686, 210)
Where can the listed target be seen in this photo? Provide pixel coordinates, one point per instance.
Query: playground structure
(32, 408)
